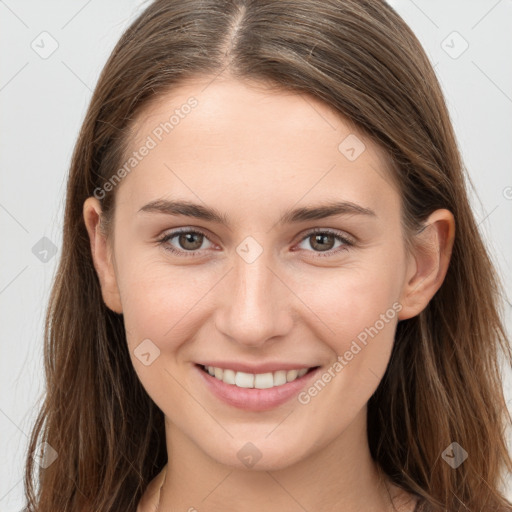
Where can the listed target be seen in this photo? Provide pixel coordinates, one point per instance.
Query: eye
(189, 241)
(323, 241)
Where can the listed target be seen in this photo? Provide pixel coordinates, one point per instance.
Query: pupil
(189, 238)
(321, 238)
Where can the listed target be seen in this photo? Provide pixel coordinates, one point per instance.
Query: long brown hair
(443, 382)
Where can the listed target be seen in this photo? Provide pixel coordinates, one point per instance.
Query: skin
(252, 154)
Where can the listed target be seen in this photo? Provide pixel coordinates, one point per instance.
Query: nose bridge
(254, 302)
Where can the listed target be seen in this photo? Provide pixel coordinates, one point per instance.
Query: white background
(43, 102)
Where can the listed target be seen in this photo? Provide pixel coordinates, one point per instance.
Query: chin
(258, 455)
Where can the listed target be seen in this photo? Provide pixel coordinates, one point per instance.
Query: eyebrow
(322, 211)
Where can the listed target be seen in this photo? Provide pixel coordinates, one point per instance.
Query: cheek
(358, 308)
(159, 299)
(161, 305)
(364, 329)
(355, 297)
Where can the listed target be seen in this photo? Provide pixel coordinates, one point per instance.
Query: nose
(255, 308)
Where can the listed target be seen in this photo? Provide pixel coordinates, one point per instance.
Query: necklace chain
(160, 491)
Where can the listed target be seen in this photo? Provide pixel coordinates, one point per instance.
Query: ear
(101, 255)
(428, 262)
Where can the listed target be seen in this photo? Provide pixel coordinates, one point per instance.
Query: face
(287, 254)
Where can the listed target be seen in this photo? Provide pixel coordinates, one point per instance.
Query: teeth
(279, 378)
(258, 381)
(244, 380)
(229, 376)
(264, 381)
(291, 375)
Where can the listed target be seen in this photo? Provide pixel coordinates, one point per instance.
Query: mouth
(254, 391)
(256, 380)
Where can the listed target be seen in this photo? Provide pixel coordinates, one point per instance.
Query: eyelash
(322, 254)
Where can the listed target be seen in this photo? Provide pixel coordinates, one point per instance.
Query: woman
(273, 293)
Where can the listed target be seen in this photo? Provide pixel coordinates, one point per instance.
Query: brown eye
(184, 242)
(190, 241)
(326, 241)
(322, 241)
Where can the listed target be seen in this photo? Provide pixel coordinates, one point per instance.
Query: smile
(258, 380)
(268, 386)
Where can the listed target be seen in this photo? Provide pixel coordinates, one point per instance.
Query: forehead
(253, 143)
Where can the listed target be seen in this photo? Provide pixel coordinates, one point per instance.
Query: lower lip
(252, 399)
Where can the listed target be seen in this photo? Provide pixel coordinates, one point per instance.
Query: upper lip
(237, 366)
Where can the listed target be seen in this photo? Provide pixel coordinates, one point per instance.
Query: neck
(339, 476)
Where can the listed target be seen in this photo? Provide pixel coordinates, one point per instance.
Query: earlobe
(428, 263)
(101, 255)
